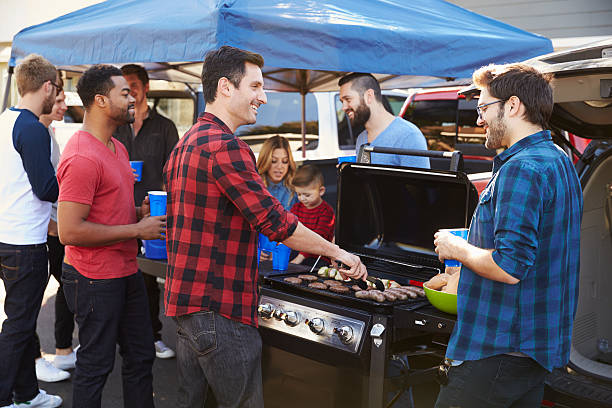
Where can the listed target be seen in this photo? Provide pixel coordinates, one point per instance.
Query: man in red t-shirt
(311, 210)
(98, 223)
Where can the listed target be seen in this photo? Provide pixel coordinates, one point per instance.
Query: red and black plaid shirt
(216, 204)
(320, 219)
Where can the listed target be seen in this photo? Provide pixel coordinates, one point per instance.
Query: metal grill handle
(366, 150)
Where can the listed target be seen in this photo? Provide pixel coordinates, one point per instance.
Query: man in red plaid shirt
(217, 204)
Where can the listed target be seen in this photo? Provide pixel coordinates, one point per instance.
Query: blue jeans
(23, 269)
(110, 312)
(225, 354)
(497, 381)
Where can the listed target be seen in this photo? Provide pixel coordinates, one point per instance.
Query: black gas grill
(334, 350)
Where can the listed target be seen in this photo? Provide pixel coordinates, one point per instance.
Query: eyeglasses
(58, 88)
(481, 111)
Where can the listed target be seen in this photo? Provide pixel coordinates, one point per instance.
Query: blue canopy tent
(307, 44)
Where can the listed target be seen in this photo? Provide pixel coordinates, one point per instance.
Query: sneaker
(163, 351)
(45, 371)
(42, 400)
(65, 362)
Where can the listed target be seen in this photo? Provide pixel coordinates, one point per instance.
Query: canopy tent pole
(303, 125)
(7, 89)
(303, 84)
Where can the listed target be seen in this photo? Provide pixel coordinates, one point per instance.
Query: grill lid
(389, 215)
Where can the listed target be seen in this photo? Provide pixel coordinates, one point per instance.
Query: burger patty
(295, 281)
(309, 278)
(339, 289)
(317, 285)
(332, 282)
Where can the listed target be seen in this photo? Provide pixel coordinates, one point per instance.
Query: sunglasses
(58, 88)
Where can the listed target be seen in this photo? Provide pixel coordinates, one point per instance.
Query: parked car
(448, 122)
(581, 124)
(327, 134)
(178, 105)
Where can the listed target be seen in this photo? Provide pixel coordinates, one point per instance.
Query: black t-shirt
(153, 144)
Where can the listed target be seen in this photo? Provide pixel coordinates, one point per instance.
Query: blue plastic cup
(137, 165)
(280, 257)
(348, 159)
(462, 233)
(265, 245)
(157, 201)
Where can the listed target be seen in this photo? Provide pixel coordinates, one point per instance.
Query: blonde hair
(32, 73)
(264, 160)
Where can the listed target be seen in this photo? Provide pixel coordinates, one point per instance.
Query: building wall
(19, 14)
(566, 22)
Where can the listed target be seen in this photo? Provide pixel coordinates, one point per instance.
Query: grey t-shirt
(400, 134)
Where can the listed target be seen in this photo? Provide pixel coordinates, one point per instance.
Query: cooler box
(155, 249)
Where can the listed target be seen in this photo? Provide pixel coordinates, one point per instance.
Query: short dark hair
(228, 62)
(361, 82)
(528, 84)
(308, 174)
(140, 72)
(96, 81)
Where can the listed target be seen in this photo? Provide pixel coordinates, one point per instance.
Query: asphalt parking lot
(164, 371)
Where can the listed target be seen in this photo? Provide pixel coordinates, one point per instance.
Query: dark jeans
(23, 269)
(216, 351)
(498, 381)
(153, 296)
(64, 319)
(111, 312)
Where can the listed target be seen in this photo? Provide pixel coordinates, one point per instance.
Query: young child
(311, 210)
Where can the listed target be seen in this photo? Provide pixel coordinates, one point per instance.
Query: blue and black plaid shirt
(530, 213)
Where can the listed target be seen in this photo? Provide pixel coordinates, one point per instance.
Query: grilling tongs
(377, 283)
(362, 284)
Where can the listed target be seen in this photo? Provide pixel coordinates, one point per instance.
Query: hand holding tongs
(362, 284)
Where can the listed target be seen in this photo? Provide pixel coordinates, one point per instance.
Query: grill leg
(378, 361)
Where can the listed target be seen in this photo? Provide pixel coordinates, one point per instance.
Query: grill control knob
(345, 333)
(278, 314)
(316, 325)
(265, 310)
(292, 319)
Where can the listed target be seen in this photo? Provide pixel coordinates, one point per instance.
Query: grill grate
(347, 299)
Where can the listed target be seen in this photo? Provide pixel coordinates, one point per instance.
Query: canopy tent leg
(7, 89)
(303, 125)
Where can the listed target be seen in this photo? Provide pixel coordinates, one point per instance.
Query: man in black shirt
(150, 138)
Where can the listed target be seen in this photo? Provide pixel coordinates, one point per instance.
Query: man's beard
(497, 132)
(47, 107)
(361, 115)
(121, 116)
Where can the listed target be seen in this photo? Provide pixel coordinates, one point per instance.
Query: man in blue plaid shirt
(519, 281)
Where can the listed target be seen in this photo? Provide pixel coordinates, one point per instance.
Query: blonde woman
(276, 166)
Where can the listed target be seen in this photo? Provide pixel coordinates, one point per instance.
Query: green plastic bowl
(445, 302)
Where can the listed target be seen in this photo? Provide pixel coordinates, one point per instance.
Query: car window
(282, 115)
(437, 119)
(395, 102)
(347, 137)
(178, 110)
(470, 137)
